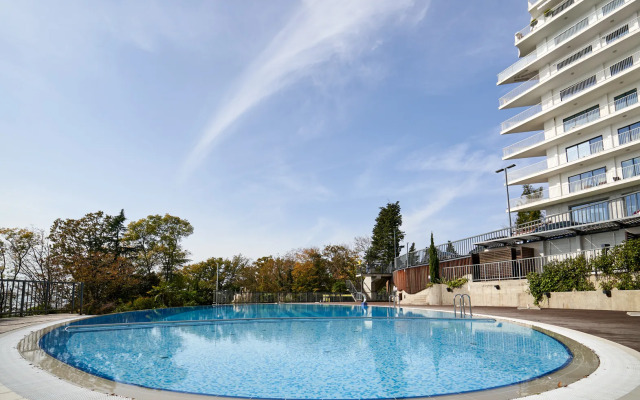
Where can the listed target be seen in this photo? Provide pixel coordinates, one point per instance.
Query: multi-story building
(577, 79)
(576, 82)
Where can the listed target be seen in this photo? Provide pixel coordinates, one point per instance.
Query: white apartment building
(576, 82)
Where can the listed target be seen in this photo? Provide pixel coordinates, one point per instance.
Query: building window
(625, 99)
(629, 133)
(610, 6)
(632, 203)
(631, 168)
(571, 31)
(587, 180)
(577, 88)
(574, 57)
(584, 149)
(581, 118)
(621, 66)
(617, 34)
(589, 213)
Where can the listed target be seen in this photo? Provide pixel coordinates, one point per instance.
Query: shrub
(143, 303)
(560, 276)
(456, 283)
(628, 281)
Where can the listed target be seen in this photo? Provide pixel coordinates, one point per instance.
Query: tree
(310, 272)
(529, 216)
(90, 250)
(434, 262)
(387, 236)
(157, 241)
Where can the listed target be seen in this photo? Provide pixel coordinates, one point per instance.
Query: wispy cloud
(319, 32)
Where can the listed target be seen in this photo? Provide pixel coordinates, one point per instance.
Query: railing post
(22, 299)
(81, 298)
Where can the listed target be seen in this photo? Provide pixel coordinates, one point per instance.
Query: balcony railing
(528, 170)
(512, 269)
(565, 188)
(615, 209)
(587, 183)
(591, 48)
(533, 82)
(568, 127)
(567, 33)
(529, 198)
(523, 144)
(544, 19)
(591, 80)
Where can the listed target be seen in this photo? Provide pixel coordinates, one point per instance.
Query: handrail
(592, 80)
(544, 19)
(613, 209)
(550, 45)
(523, 144)
(512, 269)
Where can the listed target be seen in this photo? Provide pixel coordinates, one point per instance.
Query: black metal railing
(25, 297)
(231, 297)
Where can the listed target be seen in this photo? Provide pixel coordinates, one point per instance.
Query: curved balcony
(523, 144)
(565, 34)
(535, 24)
(592, 81)
(587, 51)
(616, 176)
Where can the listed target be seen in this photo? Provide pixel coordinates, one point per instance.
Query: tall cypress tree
(434, 262)
(387, 236)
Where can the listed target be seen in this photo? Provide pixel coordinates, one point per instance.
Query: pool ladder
(461, 302)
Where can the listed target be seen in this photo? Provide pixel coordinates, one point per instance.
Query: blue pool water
(298, 351)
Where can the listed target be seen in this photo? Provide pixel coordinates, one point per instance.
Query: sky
(268, 125)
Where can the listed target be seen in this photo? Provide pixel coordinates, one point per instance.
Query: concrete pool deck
(617, 377)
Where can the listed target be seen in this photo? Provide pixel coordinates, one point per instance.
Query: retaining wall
(514, 294)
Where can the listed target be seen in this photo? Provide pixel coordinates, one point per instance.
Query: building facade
(575, 90)
(576, 86)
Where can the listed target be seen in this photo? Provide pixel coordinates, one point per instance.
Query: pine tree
(386, 238)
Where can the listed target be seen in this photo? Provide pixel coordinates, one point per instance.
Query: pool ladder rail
(460, 303)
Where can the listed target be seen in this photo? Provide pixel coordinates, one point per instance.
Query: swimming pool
(306, 351)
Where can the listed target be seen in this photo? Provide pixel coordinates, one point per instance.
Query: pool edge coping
(110, 387)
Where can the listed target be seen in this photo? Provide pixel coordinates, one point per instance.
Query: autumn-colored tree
(89, 250)
(310, 273)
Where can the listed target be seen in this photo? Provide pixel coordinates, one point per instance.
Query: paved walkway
(13, 323)
(616, 326)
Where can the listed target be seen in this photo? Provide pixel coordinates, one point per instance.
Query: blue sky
(268, 125)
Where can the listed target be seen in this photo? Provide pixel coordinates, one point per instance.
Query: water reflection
(310, 358)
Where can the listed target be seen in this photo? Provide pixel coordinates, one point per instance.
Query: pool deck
(617, 326)
(21, 380)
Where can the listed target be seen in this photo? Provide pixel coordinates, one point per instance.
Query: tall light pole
(217, 268)
(506, 184)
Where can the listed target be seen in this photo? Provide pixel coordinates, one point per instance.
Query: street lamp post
(506, 184)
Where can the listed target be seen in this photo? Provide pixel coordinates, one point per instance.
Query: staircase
(357, 296)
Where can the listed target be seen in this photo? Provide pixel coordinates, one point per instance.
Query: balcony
(618, 176)
(527, 90)
(587, 84)
(565, 34)
(535, 24)
(613, 108)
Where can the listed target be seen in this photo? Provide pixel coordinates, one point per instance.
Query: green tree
(434, 262)
(157, 240)
(387, 236)
(529, 216)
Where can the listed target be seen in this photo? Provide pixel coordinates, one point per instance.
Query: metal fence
(24, 297)
(511, 269)
(230, 297)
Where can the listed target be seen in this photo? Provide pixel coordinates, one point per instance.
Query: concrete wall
(514, 294)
